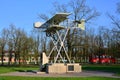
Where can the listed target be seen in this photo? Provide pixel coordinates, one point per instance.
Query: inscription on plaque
(71, 68)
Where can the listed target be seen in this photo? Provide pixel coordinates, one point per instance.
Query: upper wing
(55, 20)
(58, 18)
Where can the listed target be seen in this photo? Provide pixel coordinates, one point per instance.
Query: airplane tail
(82, 24)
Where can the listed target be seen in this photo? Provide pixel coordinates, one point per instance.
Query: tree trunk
(19, 58)
(15, 59)
(2, 58)
(10, 57)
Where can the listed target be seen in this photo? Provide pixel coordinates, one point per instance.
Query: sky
(23, 13)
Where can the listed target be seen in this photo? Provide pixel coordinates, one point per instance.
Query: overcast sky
(23, 13)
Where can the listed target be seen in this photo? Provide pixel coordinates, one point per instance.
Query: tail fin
(82, 24)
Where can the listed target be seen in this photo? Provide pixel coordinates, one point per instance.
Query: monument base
(63, 68)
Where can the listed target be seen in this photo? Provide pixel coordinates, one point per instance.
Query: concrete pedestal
(63, 68)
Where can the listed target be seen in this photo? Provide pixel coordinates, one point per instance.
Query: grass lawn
(14, 69)
(58, 78)
(115, 68)
(93, 67)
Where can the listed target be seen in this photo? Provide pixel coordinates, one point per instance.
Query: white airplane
(53, 23)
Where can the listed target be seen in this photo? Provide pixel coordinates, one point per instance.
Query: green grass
(93, 67)
(55, 78)
(14, 69)
(103, 67)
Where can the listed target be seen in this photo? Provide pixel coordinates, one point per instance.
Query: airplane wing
(58, 18)
(55, 20)
(54, 28)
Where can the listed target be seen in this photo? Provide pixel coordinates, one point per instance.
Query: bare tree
(27, 48)
(115, 21)
(81, 11)
(115, 40)
(16, 36)
(3, 41)
(37, 36)
(10, 50)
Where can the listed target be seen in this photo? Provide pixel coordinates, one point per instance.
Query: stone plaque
(71, 68)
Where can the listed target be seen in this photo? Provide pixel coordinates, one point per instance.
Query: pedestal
(63, 68)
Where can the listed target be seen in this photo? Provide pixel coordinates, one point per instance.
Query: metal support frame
(58, 49)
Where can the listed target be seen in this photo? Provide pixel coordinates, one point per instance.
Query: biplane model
(52, 24)
(52, 27)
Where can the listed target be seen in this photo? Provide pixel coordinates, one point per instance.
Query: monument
(60, 63)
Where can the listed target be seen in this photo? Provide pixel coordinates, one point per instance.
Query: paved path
(82, 74)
